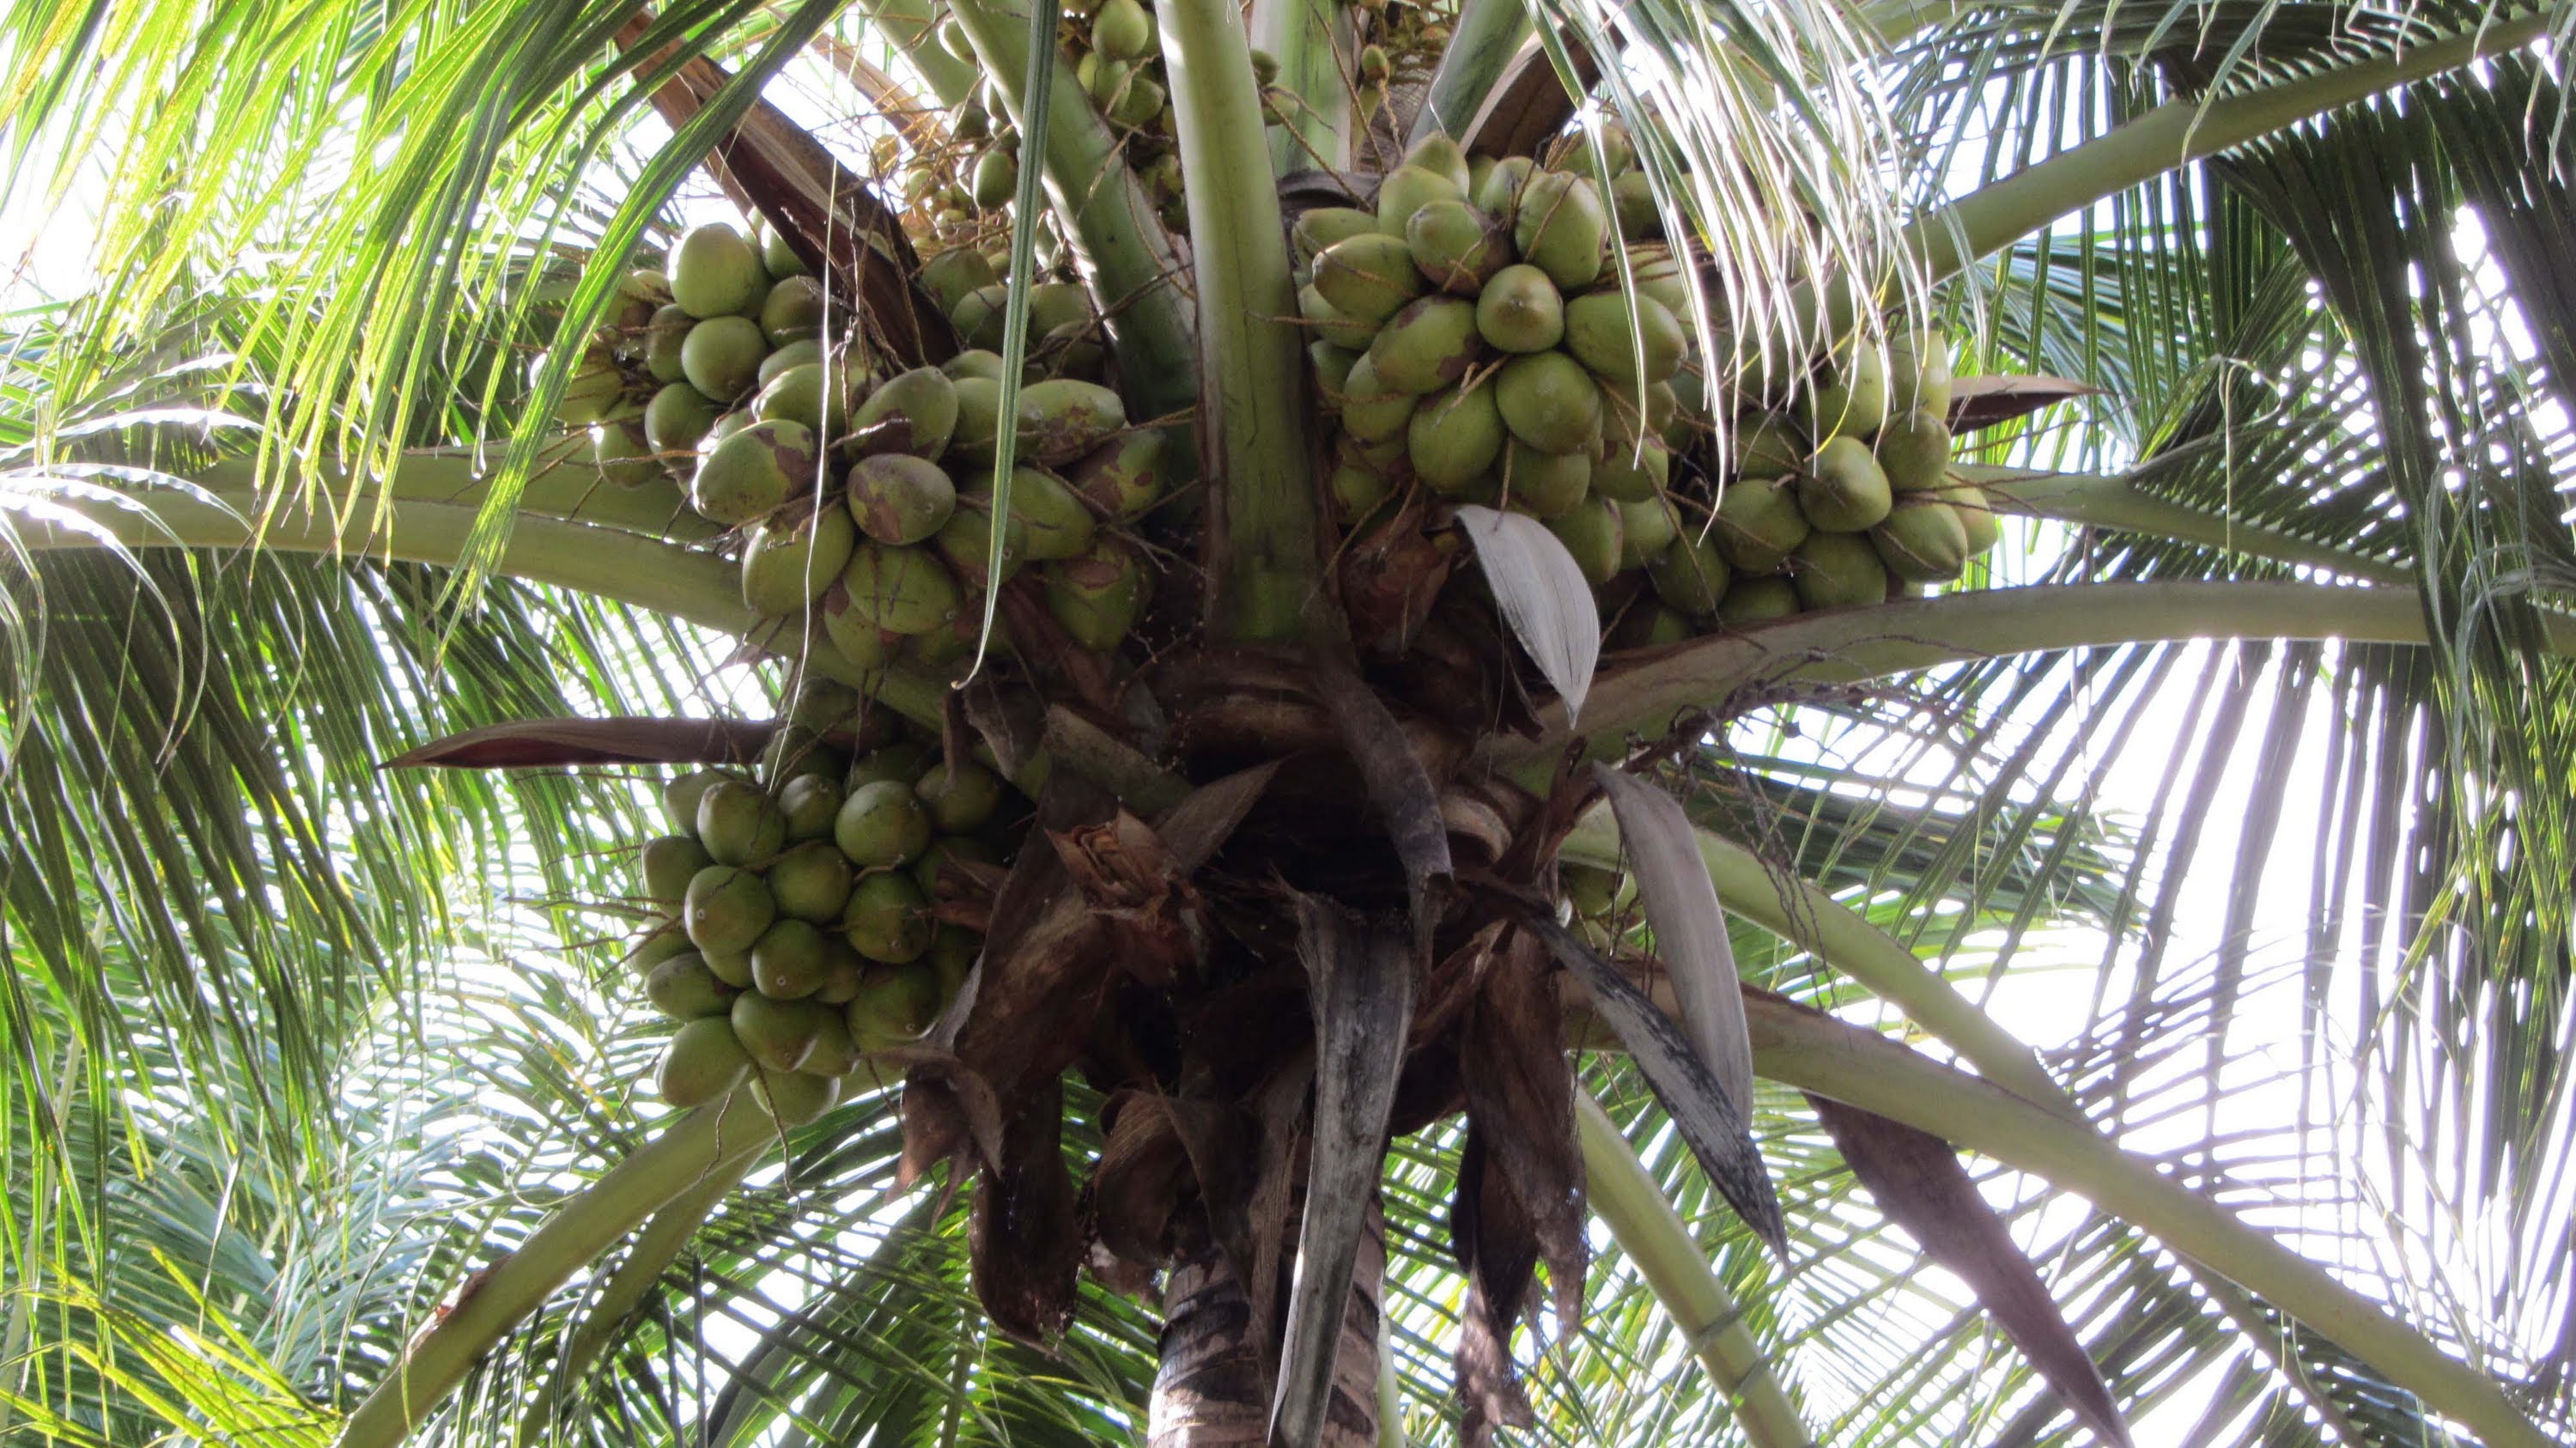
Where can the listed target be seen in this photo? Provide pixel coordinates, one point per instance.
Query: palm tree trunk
(1213, 1389)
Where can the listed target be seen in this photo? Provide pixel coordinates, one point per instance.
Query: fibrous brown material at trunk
(1213, 1389)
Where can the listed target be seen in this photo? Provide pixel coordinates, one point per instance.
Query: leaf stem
(2116, 501)
(1488, 33)
(700, 1145)
(1262, 539)
(1314, 42)
(1627, 1199)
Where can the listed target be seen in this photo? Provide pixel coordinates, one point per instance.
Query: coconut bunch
(1473, 337)
(824, 909)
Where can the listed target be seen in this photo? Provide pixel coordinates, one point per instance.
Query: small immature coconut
(1838, 570)
(680, 797)
(702, 1062)
(1544, 484)
(894, 1006)
(790, 960)
(595, 389)
(1922, 541)
(786, 565)
(1758, 523)
(678, 419)
(1454, 436)
(887, 919)
(1317, 229)
(754, 472)
(1125, 475)
(900, 499)
(997, 178)
(1366, 278)
(1332, 366)
(900, 590)
(622, 453)
(960, 797)
(812, 880)
(1592, 531)
(914, 412)
(810, 802)
(1100, 596)
(1520, 310)
(776, 1034)
(1122, 30)
(685, 990)
(1690, 576)
(714, 272)
(1458, 247)
(1549, 402)
(670, 862)
(739, 824)
(727, 909)
(1603, 332)
(1843, 490)
(1063, 418)
(721, 356)
(1559, 226)
(792, 312)
(882, 823)
(1426, 346)
(1750, 601)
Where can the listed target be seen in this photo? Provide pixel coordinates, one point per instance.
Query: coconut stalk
(1126, 254)
(1812, 1051)
(1487, 35)
(1313, 41)
(1850, 645)
(1624, 1195)
(705, 1143)
(1262, 539)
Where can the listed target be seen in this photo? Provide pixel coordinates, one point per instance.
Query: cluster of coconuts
(1473, 337)
(803, 923)
(842, 490)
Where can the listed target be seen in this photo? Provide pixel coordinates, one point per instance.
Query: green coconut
(1367, 278)
(947, 850)
(974, 362)
(794, 1098)
(596, 389)
(1100, 596)
(887, 919)
(1329, 324)
(1549, 402)
(680, 797)
(1559, 226)
(1976, 514)
(1604, 332)
(997, 178)
(702, 1063)
(966, 539)
(793, 312)
(670, 862)
(1454, 437)
(1633, 473)
(1843, 490)
(979, 420)
(787, 566)
(778, 258)
(949, 275)
(1056, 523)
(1498, 195)
(1122, 30)
(853, 631)
(1759, 522)
(739, 824)
(900, 499)
(812, 800)
(1332, 366)
(960, 797)
(1520, 310)
(1374, 410)
(836, 1052)
(1320, 228)
(1125, 475)
(1632, 201)
(812, 880)
(808, 396)
(901, 590)
(1850, 396)
(1544, 484)
(1690, 575)
(776, 1034)
(1647, 527)
(1768, 447)
(624, 456)
(685, 990)
(1918, 373)
(1750, 601)
(678, 419)
(727, 907)
(1426, 346)
(901, 763)
(1357, 490)
(721, 356)
(894, 1006)
(714, 272)
(1922, 541)
(1913, 449)
(1063, 418)
(882, 823)
(1592, 531)
(913, 413)
(807, 353)
(1406, 190)
(1458, 247)
(754, 472)
(664, 337)
(1838, 570)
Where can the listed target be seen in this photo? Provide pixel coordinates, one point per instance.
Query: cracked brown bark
(1213, 1390)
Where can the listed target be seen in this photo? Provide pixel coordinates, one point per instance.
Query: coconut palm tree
(1450, 973)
